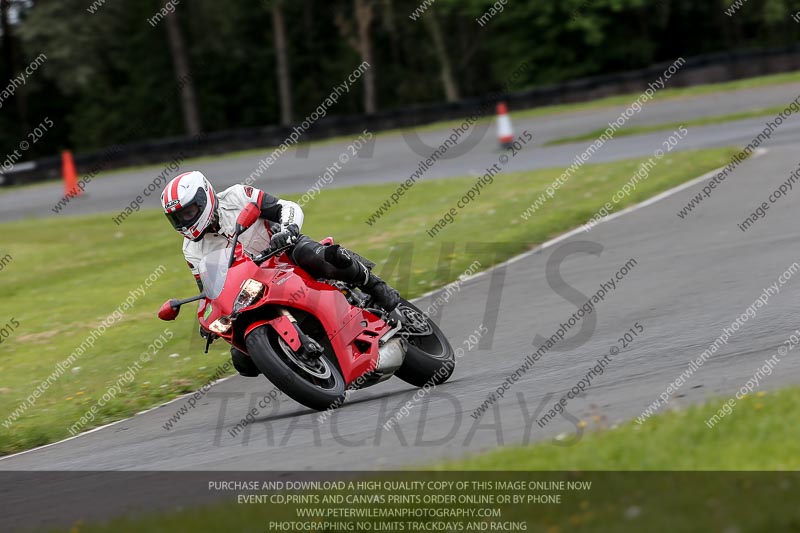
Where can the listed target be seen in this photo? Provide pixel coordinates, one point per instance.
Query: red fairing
(289, 286)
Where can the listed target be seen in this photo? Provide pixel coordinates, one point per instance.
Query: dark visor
(189, 214)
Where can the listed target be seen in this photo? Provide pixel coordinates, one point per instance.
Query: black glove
(282, 238)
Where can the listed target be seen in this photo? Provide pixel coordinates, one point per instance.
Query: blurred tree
(183, 73)
(110, 77)
(11, 69)
(109, 90)
(361, 41)
(281, 50)
(448, 81)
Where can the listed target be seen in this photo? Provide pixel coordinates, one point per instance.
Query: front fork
(308, 346)
(287, 328)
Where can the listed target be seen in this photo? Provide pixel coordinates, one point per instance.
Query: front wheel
(314, 382)
(429, 358)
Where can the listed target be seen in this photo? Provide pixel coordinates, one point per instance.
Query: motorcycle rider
(207, 220)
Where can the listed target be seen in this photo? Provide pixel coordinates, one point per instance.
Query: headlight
(221, 325)
(251, 291)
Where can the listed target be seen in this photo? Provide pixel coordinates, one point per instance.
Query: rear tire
(430, 359)
(264, 346)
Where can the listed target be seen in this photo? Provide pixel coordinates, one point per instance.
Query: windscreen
(214, 266)
(213, 271)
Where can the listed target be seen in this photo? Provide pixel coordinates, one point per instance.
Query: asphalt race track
(692, 277)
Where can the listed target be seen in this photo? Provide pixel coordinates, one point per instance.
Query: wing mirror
(169, 311)
(247, 217)
(171, 308)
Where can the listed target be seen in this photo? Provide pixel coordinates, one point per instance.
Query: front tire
(319, 386)
(243, 364)
(429, 359)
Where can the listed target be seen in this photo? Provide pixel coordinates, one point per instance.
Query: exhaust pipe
(390, 357)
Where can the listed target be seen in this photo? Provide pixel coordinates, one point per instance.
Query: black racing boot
(359, 273)
(244, 364)
(382, 294)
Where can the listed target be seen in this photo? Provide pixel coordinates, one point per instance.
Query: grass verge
(638, 130)
(67, 274)
(667, 94)
(756, 436)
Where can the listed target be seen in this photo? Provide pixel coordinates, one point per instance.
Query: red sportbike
(314, 339)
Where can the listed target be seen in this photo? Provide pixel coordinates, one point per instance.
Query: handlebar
(266, 255)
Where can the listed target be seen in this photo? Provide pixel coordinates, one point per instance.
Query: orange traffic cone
(69, 175)
(505, 132)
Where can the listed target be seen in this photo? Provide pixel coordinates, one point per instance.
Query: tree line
(181, 67)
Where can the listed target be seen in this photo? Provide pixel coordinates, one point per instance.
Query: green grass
(69, 273)
(758, 435)
(667, 94)
(638, 130)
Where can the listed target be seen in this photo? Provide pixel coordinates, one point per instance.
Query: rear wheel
(315, 382)
(429, 357)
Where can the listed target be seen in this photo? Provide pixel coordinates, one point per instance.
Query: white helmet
(190, 204)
